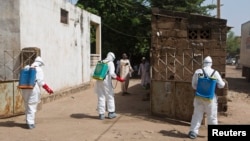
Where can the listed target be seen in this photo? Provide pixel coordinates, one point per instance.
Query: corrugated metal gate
(11, 102)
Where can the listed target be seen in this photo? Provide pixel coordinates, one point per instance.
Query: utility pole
(218, 9)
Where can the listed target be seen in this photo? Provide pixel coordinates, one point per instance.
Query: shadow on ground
(134, 105)
(13, 124)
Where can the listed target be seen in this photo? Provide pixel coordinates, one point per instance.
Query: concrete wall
(245, 44)
(9, 33)
(65, 48)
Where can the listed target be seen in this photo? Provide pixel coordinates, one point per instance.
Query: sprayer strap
(205, 75)
(212, 73)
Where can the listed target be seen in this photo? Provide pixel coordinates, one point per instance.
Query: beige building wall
(65, 46)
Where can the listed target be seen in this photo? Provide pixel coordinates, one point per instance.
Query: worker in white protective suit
(32, 97)
(202, 106)
(104, 89)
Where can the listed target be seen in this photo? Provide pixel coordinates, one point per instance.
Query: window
(196, 34)
(64, 16)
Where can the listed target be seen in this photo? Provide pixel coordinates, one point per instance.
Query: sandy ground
(74, 117)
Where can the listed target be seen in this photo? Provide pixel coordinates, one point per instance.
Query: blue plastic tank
(27, 78)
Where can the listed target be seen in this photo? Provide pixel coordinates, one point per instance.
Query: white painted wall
(9, 34)
(65, 48)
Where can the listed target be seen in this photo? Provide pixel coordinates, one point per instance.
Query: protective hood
(207, 61)
(38, 61)
(110, 56)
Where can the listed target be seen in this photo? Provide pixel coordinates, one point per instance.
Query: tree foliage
(189, 6)
(233, 44)
(126, 24)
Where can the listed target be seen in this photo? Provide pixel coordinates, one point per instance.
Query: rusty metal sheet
(162, 98)
(173, 99)
(11, 102)
(18, 108)
(6, 97)
(184, 96)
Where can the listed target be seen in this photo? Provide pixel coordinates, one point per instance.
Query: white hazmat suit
(202, 106)
(104, 89)
(32, 97)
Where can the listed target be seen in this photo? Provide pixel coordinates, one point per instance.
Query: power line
(123, 33)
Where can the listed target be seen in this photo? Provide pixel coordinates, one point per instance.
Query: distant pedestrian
(135, 68)
(125, 70)
(117, 67)
(144, 72)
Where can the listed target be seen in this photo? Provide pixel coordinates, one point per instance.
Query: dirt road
(74, 118)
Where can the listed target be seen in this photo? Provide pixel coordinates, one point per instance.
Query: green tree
(189, 6)
(126, 24)
(233, 44)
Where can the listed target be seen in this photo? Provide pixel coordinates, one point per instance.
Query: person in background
(144, 72)
(32, 97)
(202, 106)
(135, 68)
(104, 89)
(117, 66)
(125, 70)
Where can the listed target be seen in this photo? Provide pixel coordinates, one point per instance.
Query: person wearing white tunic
(144, 71)
(125, 70)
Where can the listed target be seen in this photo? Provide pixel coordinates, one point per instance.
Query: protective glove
(48, 89)
(119, 79)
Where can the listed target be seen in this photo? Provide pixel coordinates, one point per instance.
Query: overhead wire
(117, 31)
